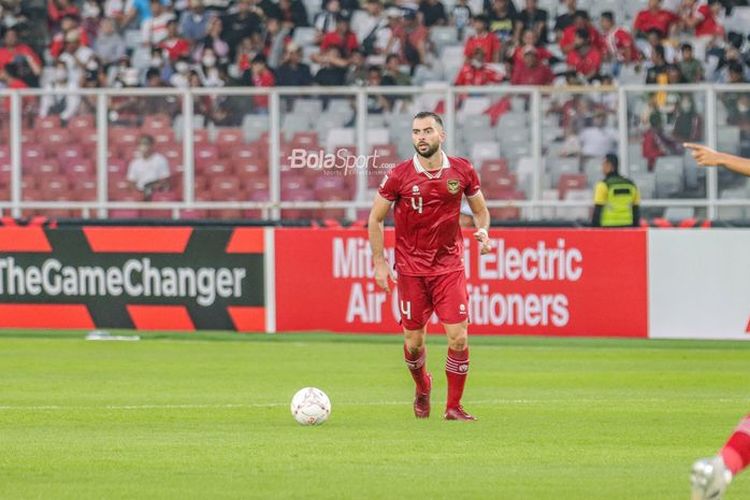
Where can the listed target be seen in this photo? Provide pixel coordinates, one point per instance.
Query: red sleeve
(567, 37)
(472, 181)
(389, 187)
(84, 38)
(702, 12)
(352, 42)
(469, 47)
(326, 42)
(56, 47)
(462, 77)
(53, 12)
(638, 24)
(25, 49)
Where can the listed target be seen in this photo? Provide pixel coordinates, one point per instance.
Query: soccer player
(711, 476)
(426, 193)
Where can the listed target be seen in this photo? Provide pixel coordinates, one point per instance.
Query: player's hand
(705, 156)
(484, 242)
(382, 274)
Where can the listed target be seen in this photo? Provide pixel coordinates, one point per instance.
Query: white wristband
(483, 231)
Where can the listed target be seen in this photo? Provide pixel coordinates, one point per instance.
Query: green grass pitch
(207, 416)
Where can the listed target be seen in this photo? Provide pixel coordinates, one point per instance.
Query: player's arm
(375, 228)
(481, 219)
(707, 157)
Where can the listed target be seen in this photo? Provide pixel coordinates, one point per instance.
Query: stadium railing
(527, 130)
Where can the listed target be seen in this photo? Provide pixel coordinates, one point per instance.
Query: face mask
(155, 62)
(209, 61)
(476, 63)
(181, 67)
(742, 108)
(92, 65)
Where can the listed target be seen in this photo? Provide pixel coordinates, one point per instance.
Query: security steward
(616, 198)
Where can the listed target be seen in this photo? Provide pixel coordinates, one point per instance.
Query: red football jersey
(426, 213)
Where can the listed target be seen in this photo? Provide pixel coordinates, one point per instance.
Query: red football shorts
(419, 296)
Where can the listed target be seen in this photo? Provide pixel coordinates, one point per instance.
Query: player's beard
(431, 150)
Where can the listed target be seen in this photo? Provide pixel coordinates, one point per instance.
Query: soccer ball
(311, 406)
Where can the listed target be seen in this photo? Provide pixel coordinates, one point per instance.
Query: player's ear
(442, 135)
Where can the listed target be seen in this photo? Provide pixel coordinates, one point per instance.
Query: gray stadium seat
(304, 36)
(253, 126)
(309, 107)
(646, 182)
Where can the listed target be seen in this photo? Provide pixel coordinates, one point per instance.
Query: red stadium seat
(81, 122)
(249, 169)
(224, 188)
(29, 183)
(157, 122)
(48, 122)
(205, 152)
(54, 138)
(28, 136)
(85, 189)
(193, 214)
(5, 172)
(45, 166)
(245, 152)
(54, 187)
(4, 154)
(215, 168)
(497, 166)
(171, 151)
(123, 136)
(200, 136)
(496, 184)
(31, 153)
(507, 213)
(124, 213)
(161, 136)
(228, 138)
(78, 167)
(570, 182)
(305, 140)
(70, 153)
(117, 169)
(255, 186)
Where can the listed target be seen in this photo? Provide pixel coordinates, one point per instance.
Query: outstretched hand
(705, 156)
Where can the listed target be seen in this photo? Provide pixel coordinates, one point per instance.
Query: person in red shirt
(531, 71)
(580, 21)
(19, 52)
(343, 37)
(58, 9)
(69, 24)
(584, 59)
(619, 42)
(476, 72)
(175, 46)
(484, 40)
(529, 39)
(707, 17)
(426, 194)
(262, 77)
(654, 18)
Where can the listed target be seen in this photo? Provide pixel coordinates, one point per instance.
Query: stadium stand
(64, 45)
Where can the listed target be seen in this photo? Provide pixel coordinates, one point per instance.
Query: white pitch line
(366, 403)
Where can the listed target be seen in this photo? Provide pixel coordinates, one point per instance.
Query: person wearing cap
(484, 40)
(531, 71)
(616, 198)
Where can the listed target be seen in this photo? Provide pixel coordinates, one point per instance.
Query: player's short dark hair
(613, 160)
(609, 15)
(429, 114)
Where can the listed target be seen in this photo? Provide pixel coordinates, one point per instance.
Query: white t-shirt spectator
(144, 171)
(154, 30)
(598, 142)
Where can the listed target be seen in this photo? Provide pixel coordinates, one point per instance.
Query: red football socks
(456, 370)
(416, 362)
(736, 453)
